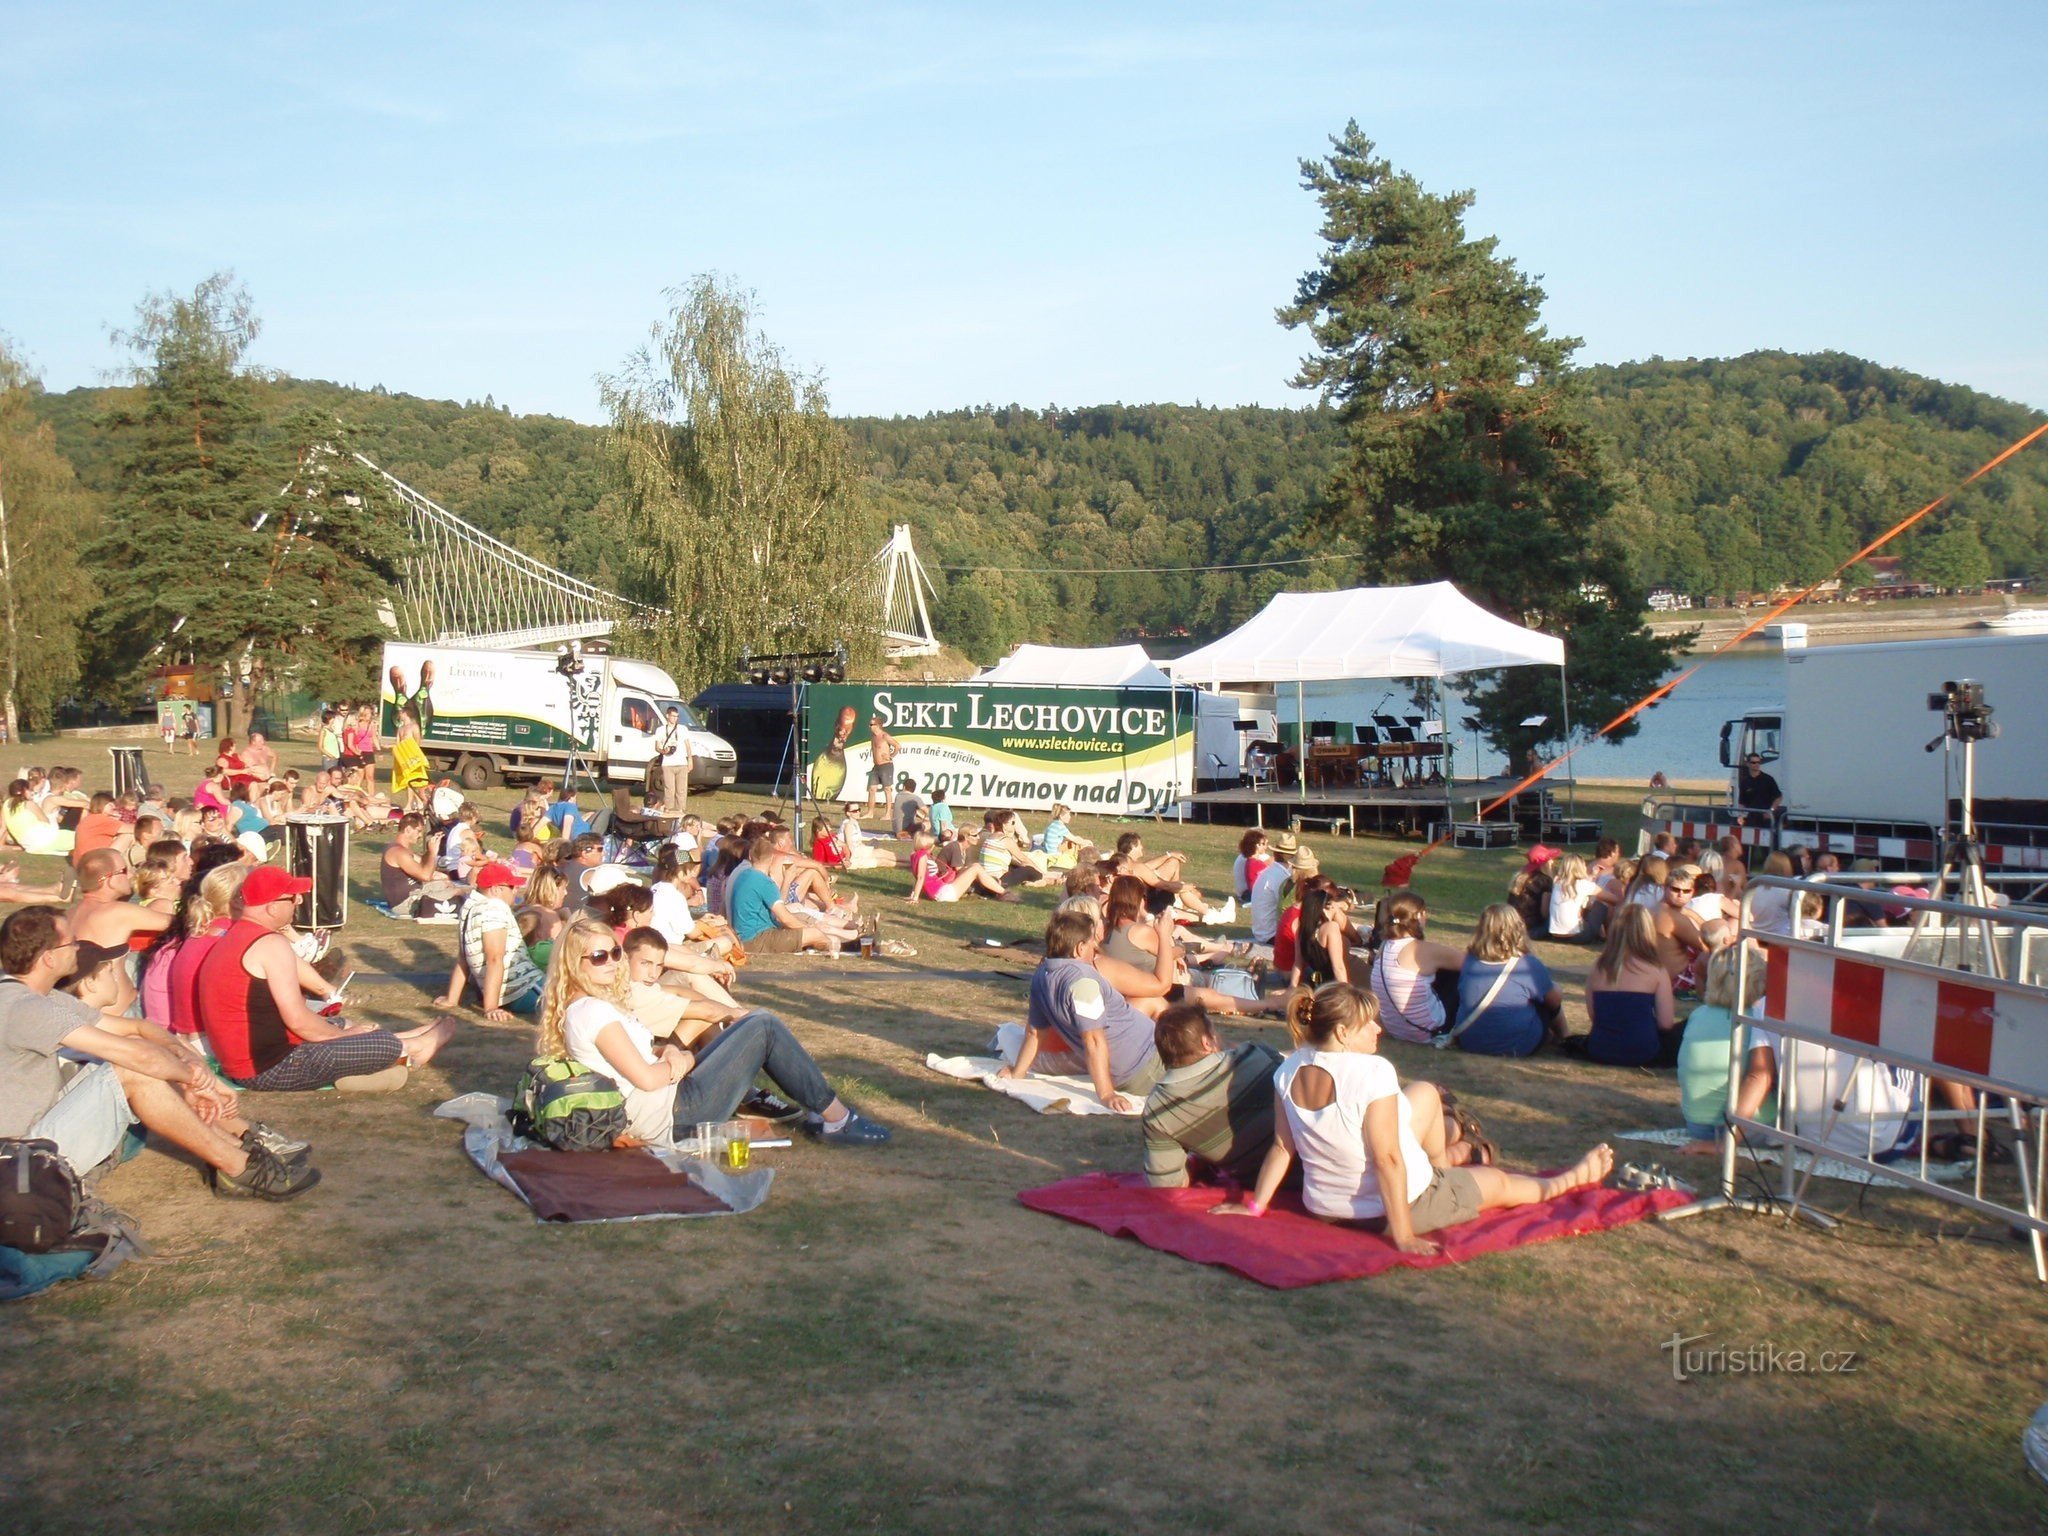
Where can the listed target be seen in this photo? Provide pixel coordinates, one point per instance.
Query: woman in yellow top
(30, 826)
(409, 774)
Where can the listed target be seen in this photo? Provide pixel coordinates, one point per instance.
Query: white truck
(1867, 767)
(505, 716)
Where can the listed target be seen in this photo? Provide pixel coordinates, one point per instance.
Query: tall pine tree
(1467, 453)
(204, 559)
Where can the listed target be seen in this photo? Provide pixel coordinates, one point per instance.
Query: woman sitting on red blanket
(1372, 1152)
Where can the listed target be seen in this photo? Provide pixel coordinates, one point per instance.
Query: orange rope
(1398, 872)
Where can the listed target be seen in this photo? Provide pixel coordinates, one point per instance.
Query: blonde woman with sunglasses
(584, 1017)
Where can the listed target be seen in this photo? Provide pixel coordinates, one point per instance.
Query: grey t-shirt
(1070, 999)
(32, 1027)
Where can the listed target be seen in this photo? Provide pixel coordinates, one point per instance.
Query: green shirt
(1219, 1109)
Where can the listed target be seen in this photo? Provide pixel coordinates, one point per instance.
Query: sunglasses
(603, 956)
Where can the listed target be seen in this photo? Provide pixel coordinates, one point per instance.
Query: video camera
(1965, 715)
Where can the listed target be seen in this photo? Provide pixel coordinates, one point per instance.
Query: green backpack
(568, 1107)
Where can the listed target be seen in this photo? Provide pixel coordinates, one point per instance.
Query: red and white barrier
(1949, 1025)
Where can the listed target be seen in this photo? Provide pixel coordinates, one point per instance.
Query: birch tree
(751, 526)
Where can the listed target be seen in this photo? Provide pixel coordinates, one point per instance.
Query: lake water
(1680, 735)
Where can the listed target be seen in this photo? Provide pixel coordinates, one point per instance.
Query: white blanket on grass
(1827, 1168)
(1047, 1093)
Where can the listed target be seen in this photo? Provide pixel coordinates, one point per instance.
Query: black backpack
(40, 1197)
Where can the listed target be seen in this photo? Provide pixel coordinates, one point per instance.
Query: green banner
(1103, 750)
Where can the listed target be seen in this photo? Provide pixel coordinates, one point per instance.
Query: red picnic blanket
(1287, 1248)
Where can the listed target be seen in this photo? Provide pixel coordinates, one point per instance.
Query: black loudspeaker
(316, 848)
(130, 777)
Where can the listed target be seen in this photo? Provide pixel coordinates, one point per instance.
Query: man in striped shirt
(1211, 1104)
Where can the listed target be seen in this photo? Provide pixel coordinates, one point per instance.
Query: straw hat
(1305, 862)
(1285, 845)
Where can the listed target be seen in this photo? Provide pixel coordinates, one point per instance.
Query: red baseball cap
(495, 874)
(267, 883)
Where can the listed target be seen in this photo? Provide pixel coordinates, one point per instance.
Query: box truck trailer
(505, 716)
(1867, 766)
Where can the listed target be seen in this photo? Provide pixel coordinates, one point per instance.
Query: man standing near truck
(673, 743)
(1757, 793)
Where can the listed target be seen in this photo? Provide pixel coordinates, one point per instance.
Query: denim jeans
(759, 1042)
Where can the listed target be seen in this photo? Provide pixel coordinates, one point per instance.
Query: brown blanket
(603, 1186)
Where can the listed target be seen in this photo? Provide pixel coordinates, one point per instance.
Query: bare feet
(422, 1043)
(1590, 1169)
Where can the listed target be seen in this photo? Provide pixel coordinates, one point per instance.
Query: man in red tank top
(256, 1018)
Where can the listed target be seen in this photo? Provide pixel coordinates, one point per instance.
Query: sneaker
(856, 1130)
(896, 949)
(266, 1178)
(763, 1105)
(275, 1142)
(1641, 1176)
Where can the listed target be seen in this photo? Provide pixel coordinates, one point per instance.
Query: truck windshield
(690, 721)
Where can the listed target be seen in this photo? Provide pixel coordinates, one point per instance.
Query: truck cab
(1758, 735)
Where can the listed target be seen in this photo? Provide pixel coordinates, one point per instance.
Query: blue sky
(954, 204)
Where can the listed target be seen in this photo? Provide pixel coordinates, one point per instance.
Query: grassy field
(894, 1344)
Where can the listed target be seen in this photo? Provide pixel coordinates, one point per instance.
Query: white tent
(1432, 631)
(1060, 666)
(1219, 747)
(1428, 631)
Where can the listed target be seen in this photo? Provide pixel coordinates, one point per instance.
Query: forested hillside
(1736, 474)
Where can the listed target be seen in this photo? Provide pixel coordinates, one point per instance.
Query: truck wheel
(473, 772)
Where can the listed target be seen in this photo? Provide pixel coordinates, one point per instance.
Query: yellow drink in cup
(739, 1151)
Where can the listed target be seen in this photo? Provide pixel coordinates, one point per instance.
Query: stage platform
(1345, 806)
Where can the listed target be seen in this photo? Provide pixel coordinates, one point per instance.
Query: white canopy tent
(1432, 631)
(1060, 666)
(1218, 746)
(1306, 637)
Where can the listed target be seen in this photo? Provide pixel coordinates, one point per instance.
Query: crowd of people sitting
(162, 978)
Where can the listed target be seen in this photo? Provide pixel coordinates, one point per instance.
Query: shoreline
(1840, 623)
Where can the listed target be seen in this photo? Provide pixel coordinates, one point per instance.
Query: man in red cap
(255, 1015)
(490, 952)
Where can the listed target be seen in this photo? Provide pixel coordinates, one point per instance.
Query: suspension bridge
(464, 587)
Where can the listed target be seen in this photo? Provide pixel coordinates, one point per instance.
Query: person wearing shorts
(1343, 1111)
(80, 1075)
(257, 1021)
(882, 775)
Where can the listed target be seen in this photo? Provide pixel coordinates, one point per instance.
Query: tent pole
(1300, 747)
(1443, 713)
(1571, 781)
(1173, 762)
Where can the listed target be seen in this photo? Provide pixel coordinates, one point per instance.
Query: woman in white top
(1646, 886)
(1405, 970)
(1573, 892)
(860, 853)
(1771, 908)
(584, 1019)
(1372, 1151)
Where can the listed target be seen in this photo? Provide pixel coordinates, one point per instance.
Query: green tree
(1954, 558)
(753, 532)
(339, 546)
(1467, 455)
(203, 558)
(45, 518)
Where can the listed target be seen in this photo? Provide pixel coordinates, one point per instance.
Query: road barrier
(1955, 995)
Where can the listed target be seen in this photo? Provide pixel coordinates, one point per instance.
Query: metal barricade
(1956, 994)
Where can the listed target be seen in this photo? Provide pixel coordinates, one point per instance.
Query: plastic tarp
(1060, 666)
(1307, 637)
